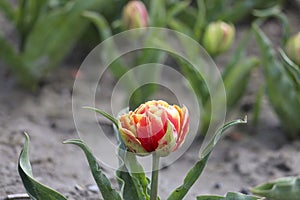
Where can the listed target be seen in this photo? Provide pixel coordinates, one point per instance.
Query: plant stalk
(154, 178)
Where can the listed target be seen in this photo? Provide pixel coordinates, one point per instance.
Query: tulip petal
(184, 127)
(167, 143)
(152, 131)
(174, 117)
(131, 142)
(127, 122)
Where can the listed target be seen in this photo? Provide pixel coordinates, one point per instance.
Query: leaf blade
(34, 189)
(229, 196)
(198, 168)
(104, 114)
(102, 181)
(287, 188)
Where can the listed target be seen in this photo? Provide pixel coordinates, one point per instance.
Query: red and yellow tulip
(154, 126)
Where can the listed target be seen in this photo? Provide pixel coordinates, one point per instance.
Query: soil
(247, 156)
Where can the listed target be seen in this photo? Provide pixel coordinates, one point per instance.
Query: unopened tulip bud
(292, 48)
(154, 126)
(218, 37)
(135, 15)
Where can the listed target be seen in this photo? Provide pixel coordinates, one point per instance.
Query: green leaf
(177, 8)
(14, 62)
(180, 26)
(117, 67)
(291, 68)
(229, 196)
(279, 84)
(104, 114)
(102, 181)
(35, 190)
(257, 104)
(276, 12)
(54, 34)
(133, 180)
(9, 55)
(27, 14)
(132, 187)
(200, 20)
(239, 54)
(7, 9)
(196, 171)
(131, 176)
(287, 188)
(236, 80)
(157, 13)
(100, 22)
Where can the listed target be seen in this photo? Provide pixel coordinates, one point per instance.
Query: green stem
(154, 179)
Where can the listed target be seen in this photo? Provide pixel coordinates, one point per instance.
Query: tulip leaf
(9, 55)
(133, 180)
(236, 80)
(157, 13)
(287, 188)
(229, 196)
(239, 54)
(178, 25)
(7, 9)
(197, 169)
(104, 114)
(176, 8)
(102, 181)
(291, 68)
(131, 176)
(200, 20)
(34, 189)
(100, 22)
(276, 12)
(279, 84)
(53, 35)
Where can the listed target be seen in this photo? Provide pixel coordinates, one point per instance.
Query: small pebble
(92, 188)
(79, 188)
(244, 191)
(217, 185)
(283, 167)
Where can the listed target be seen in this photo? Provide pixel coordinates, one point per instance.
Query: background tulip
(293, 48)
(218, 37)
(135, 15)
(154, 126)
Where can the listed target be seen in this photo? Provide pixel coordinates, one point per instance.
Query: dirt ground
(247, 156)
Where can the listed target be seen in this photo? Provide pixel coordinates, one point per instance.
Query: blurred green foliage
(47, 30)
(287, 188)
(282, 84)
(282, 81)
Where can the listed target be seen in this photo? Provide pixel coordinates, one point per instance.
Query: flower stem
(154, 178)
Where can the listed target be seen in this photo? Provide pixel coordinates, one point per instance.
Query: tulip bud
(292, 48)
(135, 15)
(154, 126)
(218, 37)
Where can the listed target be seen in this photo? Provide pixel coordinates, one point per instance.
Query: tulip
(154, 126)
(292, 48)
(218, 37)
(135, 15)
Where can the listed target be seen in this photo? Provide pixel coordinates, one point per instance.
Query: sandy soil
(247, 156)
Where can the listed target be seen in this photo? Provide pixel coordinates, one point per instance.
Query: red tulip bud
(135, 15)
